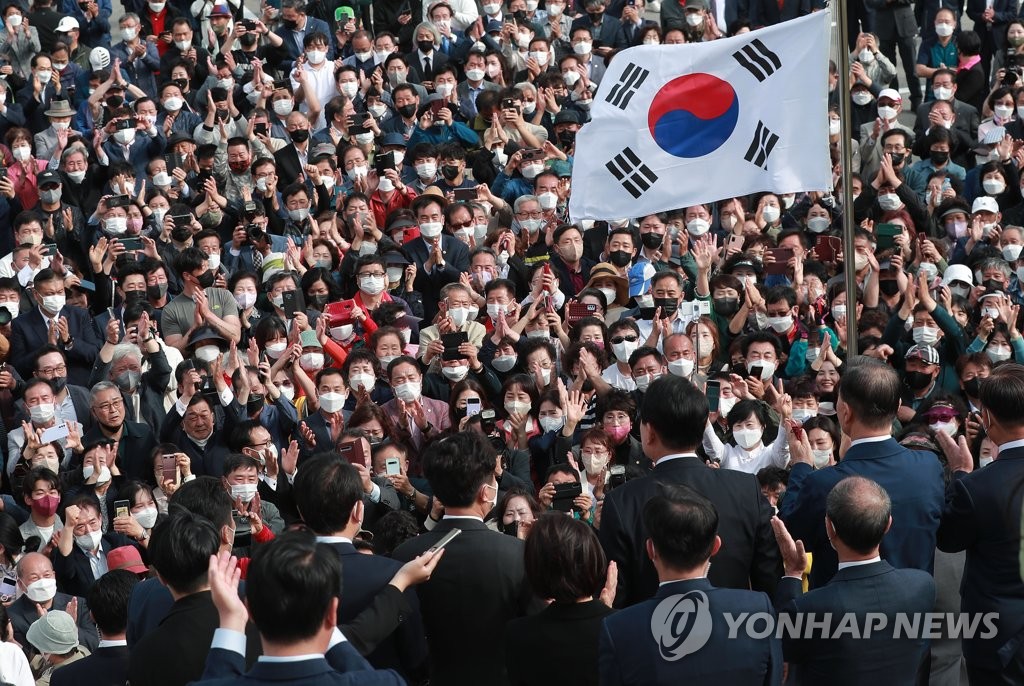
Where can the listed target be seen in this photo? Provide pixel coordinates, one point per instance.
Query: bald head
(860, 512)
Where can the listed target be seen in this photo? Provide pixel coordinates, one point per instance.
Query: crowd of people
(299, 285)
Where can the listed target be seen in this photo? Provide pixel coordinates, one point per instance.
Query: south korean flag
(677, 125)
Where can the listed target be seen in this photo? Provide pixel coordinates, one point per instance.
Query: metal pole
(849, 225)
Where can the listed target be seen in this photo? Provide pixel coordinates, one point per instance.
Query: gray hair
(526, 86)
(123, 350)
(859, 510)
(100, 388)
(129, 15)
(522, 200)
(72, 149)
(995, 263)
(429, 27)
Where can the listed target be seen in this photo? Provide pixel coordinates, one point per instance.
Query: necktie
(257, 259)
(426, 66)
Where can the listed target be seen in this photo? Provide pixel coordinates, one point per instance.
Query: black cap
(48, 176)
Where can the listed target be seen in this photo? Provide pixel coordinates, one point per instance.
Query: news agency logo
(681, 625)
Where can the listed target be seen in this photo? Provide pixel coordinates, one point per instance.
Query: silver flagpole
(849, 224)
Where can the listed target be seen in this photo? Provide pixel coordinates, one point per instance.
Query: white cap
(984, 203)
(99, 58)
(890, 93)
(67, 24)
(957, 272)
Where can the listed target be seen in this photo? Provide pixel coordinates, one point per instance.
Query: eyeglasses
(112, 405)
(50, 371)
(624, 339)
(376, 275)
(461, 225)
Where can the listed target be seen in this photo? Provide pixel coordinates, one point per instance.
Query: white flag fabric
(677, 125)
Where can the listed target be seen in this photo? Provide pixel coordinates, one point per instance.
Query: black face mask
(425, 46)
(407, 111)
(248, 40)
(299, 135)
(567, 138)
(59, 383)
(115, 101)
(897, 158)
(595, 17)
(460, 412)
(938, 157)
(254, 404)
(134, 297)
(992, 285)
(291, 25)
(727, 307)
(207, 278)
(917, 381)
(182, 84)
(652, 240)
(620, 258)
(180, 234)
(973, 387)
(449, 171)
(319, 300)
(156, 291)
(668, 306)
(889, 287)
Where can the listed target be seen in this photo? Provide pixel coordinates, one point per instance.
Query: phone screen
(472, 407)
(713, 391)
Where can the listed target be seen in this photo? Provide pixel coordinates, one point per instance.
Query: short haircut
(206, 497)
(290, 584)
(563, 559)
(458, 466)
(859, 510)
(872, 390)
(1002, 394)
(682, 525)
(180, 549)
(326, 489)
(677, 411)
(108, 600)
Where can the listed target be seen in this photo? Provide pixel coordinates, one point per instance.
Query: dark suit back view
(749, 557)
(877, 589)
(478, 586)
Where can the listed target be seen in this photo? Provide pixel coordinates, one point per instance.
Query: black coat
(29, 334)
(558, 645)
(477, 587)
(74, 573)
(105, 667)
(749, 557)
(134, 450)
(23, 614)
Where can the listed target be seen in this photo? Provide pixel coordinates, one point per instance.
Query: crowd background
(310, 265)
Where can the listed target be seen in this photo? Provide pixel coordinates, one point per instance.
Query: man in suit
(440, 257)
(37, 583)
(291, 159)
(295, 26)
(982, 516)
(858, 514)
(423, 418)
(895, 26)
(426, 58)
(481, 582)
(683, 539)
(192, 425)
(180, 551)
(72, 401)
(869, 396)
(108, 664)
(135, 440)
(292, 595)
(69, 328)
(672, 420)
(771, 12)
(329, 493)
(965, 118)
(81, 555)
(142, 393)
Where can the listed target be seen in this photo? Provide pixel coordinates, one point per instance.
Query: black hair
(458, 466)
(180, 549)
(108, 600)
(682, 525)
(326, 489)
(677, 411)
(206, 497)
(872, 390)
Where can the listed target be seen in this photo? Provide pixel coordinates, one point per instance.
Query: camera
(255, 233)
(243, 530)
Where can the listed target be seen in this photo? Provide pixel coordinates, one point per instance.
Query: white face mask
(802, 414)
(623, 350)
(1011, 252)
(41, 590)
(818, 224)
(866, 56)
(456, 373)
(371, 285)
(207, 353)
(767, 368)
(781, 324)
(22, 152)
(694, 19)
(245, 300)
(283, 108)
(943, 30)
(551, 423)
(582, 48)
(925, 335)
(361, 382)
(409, 391)
(90, 541)
(431, 229)
(517, 407)
(311, 361)
(342, 333)
(644, 381)
(771, 213)
(949, 427)
(861, 98)
(681, 367)
(993, 186)
(146, 517)
(331, 402)
(747, 438)
(889, 201)
(698, 227)
(54, 303)
(942, 93)
(887, 113)
(274, 350)
(475, 74)
(998, 354)
(821, 458)
(183, 45)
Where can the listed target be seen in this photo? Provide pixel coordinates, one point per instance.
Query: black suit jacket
(456, 257)
(134, 450)
(749, 557)
(878, 589)
(477, 587)
(79, 399)
(74, 573)
(23, 614)
(340, 666)
(982, 516)
(558, 645)
(175, 652)
(29, 334)
(105, 667)
(289, 167)
(415, 62)
(362, 578)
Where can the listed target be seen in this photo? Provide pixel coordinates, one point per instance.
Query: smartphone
(353, 452)
(617, 475)
(55, 433)
(444, 541)
(49, 249)
(122, 508)
(384, 162)
(8, 588)
(124, 124)
(169, 468)
(827, 247)
(464, 194)
(359, 119)
(249, 24)
(782, 257)
(713, 391)
(392, 466)
(487, 421)
(292, 303)
(736, 243)
(181, 220)
(260, 129)
(577, 311)
(755, 372)
(243, 530)
(132, 243)
(885, 234)
(565, 494)
(339, 313)
(451, 342)
(472, 407)
(174, 161)
(509, 103)
(405, 8)
(436, 106)
(119, 201)
(533, 154)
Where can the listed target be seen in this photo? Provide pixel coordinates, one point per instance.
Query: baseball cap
(99, 58)
(67, 24)
(984, 203)
(890, 93)
(126, 557)
(48, 176)
(957, 272)
(925, 353)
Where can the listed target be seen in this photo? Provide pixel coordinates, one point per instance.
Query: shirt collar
(870, 439)
(111, 644)
(674, 456)
(448, 516)
(858, 563)
(333, 539)
(1009, 445)
(289, 658)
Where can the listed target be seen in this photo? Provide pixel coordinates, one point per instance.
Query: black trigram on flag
(630, 80)
(635, 176)
(761, 146)
(758, 60)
